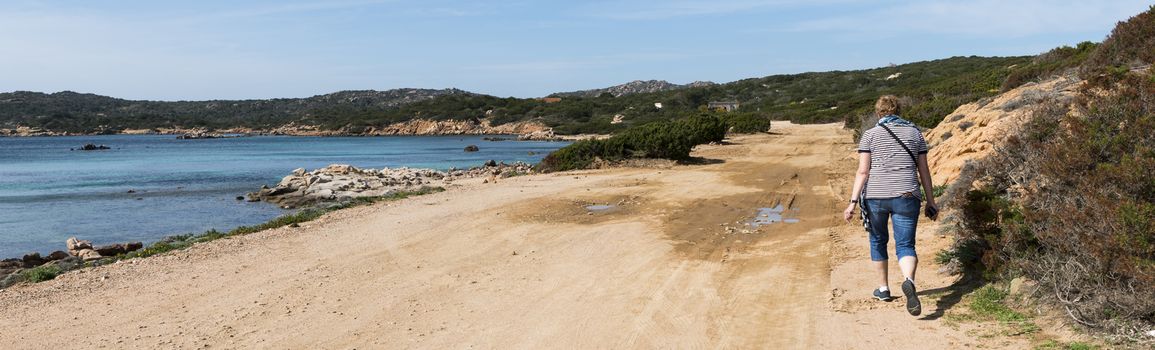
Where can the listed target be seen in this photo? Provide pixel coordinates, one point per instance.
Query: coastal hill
(931, 88)
(69, 111)
(633, 87)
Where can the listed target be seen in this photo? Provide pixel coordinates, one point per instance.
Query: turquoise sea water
(49, 193)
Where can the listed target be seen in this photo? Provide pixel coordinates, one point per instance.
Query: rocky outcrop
(416, 127)
(976, 129)
(342, 182)
(79, 252)
(24, 131)
(458, 127)
(411, 127)
(543, 135)
(75, 246)
(208, 135)
(117, 249)
(93, 147)
(634, 87)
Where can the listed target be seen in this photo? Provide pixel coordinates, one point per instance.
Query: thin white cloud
(648, 10)
(586, 63)
(449, 12)
(978, 18)
(280, 9)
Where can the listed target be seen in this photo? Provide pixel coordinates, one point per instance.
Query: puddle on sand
(768, 216)
(599, 207)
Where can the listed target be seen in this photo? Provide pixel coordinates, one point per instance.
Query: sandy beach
(524, 264)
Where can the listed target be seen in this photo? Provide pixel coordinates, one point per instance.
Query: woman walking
(891, 165)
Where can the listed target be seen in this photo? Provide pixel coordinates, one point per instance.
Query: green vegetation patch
(666, 139)
(1056, 345)
(41, 273)
(746, 122)
(1056, 61)
(988, 303)
(1069, 201)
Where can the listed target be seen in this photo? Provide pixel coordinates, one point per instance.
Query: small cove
(150, 186)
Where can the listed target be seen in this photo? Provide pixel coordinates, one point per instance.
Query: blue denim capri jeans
(904, 212)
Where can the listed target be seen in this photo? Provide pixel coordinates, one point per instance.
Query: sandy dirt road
(521, 264)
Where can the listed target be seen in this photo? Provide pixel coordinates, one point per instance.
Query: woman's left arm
(860, 178)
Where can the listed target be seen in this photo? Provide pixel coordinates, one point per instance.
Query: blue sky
(238, 49)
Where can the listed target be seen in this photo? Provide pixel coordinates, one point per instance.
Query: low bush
(304, 215)
(665, 139)
(41, 273)
(747, 123)
(1056, 61)
(1131, 43)
(940, 189)
(1069, 201)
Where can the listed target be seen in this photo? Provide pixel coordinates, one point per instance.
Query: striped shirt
(892, 172)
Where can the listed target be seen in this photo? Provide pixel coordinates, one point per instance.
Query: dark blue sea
(49, 192)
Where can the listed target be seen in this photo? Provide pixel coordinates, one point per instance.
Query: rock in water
(89, 255)
(472, 148)
(33, 260)
(111, 249)
(75, 245)
(11, 263)
(93, 147)
(491, 162)
(57, 255)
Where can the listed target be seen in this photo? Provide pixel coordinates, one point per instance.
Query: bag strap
(900, 143)
(908, 152)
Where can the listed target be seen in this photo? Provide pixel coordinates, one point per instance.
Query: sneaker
(883, 295)
(913, 306)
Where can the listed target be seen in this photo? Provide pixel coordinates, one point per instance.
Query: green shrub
(1052, 62)
(940, 189)
(304, 215)
(666, 139)
(1069, 201)
(41, 273)
(1131, 43)
(989, 302)
(747, 123)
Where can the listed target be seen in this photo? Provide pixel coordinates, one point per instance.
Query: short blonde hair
(887, 105)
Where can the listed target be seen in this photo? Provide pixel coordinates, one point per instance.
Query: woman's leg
(905, 223)
(879, 237)
(905, 212)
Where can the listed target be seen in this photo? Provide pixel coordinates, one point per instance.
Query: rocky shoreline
(524, 131)
(79, 252)
(339, 182)
(335, 183)
(301, 188)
